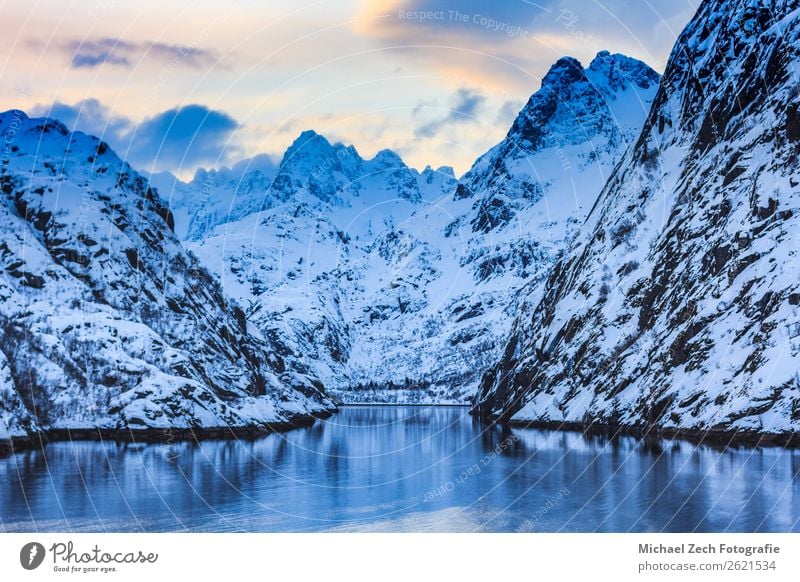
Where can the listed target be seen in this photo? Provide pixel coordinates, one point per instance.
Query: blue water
(401, 469)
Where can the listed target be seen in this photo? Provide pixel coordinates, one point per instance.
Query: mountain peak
(566, 70)
(574, 106)
(617, 71)
(309, 148)
(387, 157)
(7, 116)
(606, 59)
(574, 103)
(260, 163)
(307, 137)
(16, 120)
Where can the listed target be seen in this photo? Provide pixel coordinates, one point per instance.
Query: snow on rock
(678, 304)
(215, 197)
(105, 320)
(288, 263)
(15, 421)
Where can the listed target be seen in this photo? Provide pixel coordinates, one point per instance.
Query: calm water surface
(402, 469)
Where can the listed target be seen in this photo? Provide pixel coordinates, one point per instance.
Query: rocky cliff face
(105, 320)
(677, 306)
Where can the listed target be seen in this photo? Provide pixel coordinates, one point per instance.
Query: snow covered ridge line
(677, 309)
(107, 323)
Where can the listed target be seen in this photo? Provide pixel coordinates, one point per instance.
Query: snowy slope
(678, 305)
(105, 320)
(373, 272)
(287, 263)
(440, 289)
(215, 197)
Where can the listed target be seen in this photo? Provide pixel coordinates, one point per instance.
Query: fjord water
(395, 468)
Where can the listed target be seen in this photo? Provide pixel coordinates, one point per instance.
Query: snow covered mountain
(287, 263)
(380, 276)
(215, 197)
(105, 320)
(452, 271)
(679, 304)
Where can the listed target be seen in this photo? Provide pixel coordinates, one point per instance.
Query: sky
(180, 85)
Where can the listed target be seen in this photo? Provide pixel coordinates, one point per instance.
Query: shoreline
(155, 435)
(385, 404)
(709, 437)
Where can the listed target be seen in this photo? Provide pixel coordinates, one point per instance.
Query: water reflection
(402, 468)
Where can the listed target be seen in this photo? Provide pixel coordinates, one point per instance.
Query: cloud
(177, 140)
(89, 116)
(507, 46)
(87, 54)
(182, 137)
(466, 104)
(489, 23)
(427, 20)
(508, 112)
